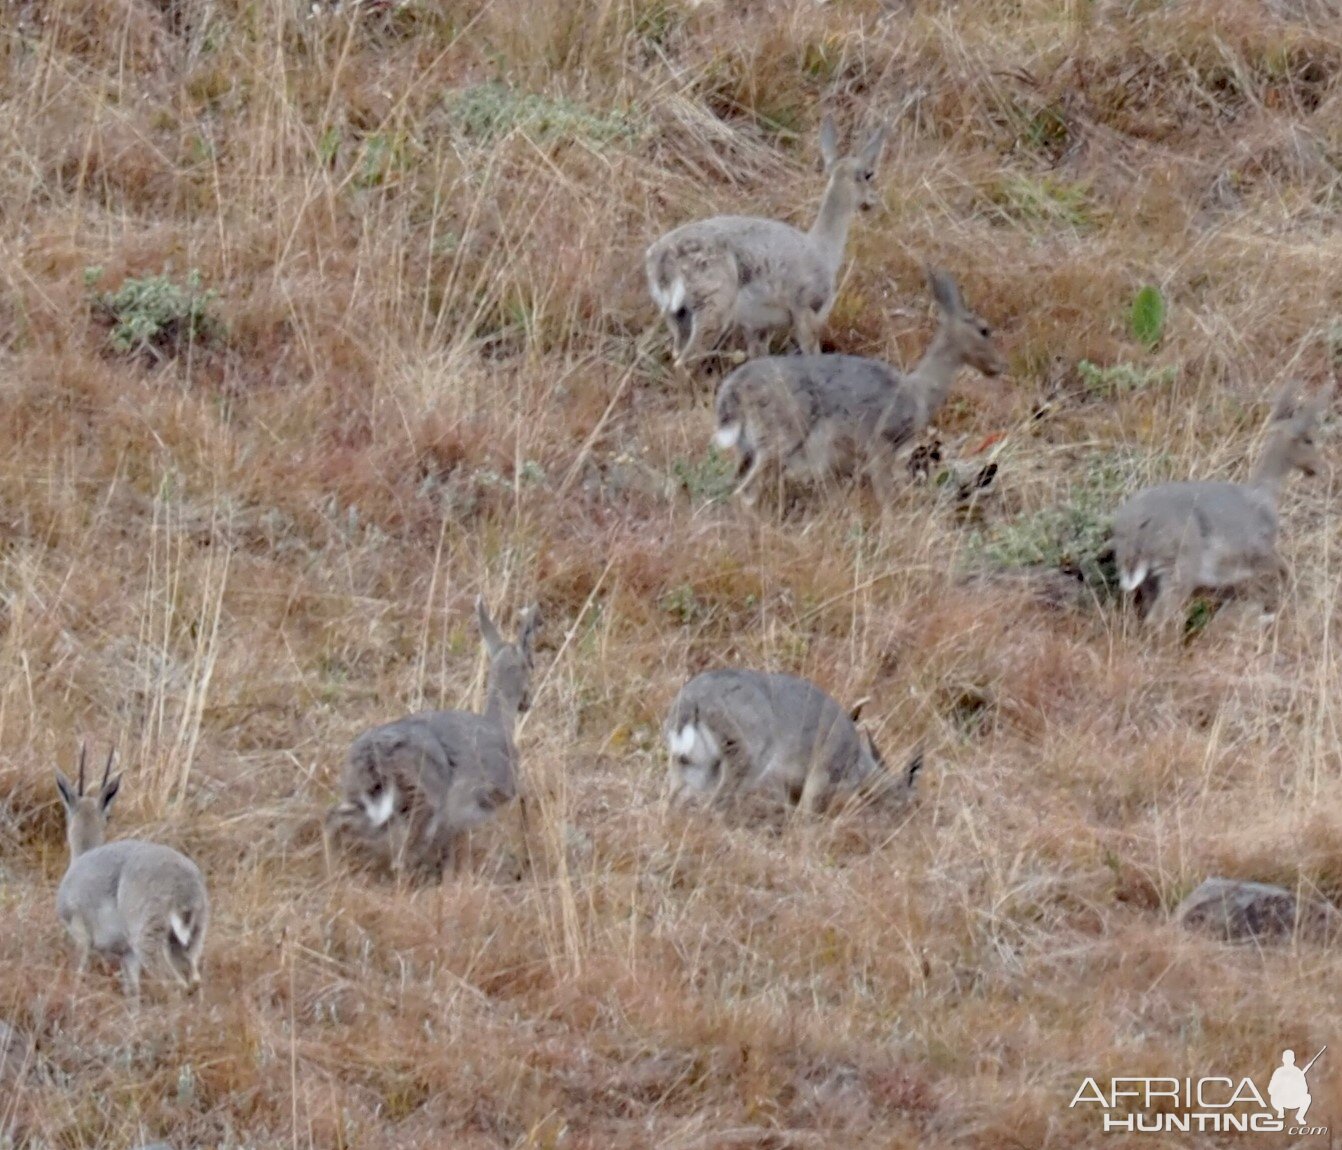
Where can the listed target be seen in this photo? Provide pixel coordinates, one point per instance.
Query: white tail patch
(728, 435)
(682, 741)
(379, 809)
(1131, 580)
(694, 743)
(675, 297)
(181, 931)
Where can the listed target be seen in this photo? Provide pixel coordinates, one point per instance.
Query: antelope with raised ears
(1178, 538)
(412, 788)
(734, 730)
(140, 902)
(815, 418)
(758, 276)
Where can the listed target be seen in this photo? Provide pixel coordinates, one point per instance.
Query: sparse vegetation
(419, 230)
(1040, 200)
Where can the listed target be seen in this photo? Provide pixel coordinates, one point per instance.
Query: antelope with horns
(137, 901)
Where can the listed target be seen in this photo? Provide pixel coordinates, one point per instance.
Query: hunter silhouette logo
(1288, 1089)
(1215, 1104)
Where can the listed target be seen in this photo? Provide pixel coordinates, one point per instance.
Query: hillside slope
(314, 328)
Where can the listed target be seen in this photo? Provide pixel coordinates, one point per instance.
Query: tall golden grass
(440, 375)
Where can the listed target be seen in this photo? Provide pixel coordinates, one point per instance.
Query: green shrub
(1121, 378)
(156, 316)
(487, 111)
(1072, 535)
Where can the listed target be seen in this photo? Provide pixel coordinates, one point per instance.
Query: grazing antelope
(1178, 538)
(758, 276)
(814, 418)
(414, 786)
(735, 730)
(141, 902)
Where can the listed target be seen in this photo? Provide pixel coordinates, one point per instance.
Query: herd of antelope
(412, 789)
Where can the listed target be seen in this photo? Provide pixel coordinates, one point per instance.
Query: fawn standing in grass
(758, 276)
(139, 901)
(735, 730)
(1178, 538)
(822, 417)
(415, 786)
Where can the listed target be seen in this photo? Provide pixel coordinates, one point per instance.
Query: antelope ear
(872, 149)
(109, 792)
(915, 765)
(1283, 407)
(856, 712)
(1319, 401)
(530, 626)
(67, 791)
(945, 292)
(873, 750)
(829, 143)
(488, 632)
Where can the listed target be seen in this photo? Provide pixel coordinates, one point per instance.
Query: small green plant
(530, 472)
(1148, 316)
(707, 479)
(328, 147)
(383, 156)
(1122, 378)
(823, 58)
(488, 111)
(1045, 131)
(682, 604)
(1046, 199)
(156, 316)
(1200, 613)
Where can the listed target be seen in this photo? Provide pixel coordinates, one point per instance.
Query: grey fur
(413, 787)
(755, 275)
(1178, 538)
(137, 901)
(735, 730)
(814, 418)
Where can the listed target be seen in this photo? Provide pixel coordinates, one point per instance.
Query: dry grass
(425, 229)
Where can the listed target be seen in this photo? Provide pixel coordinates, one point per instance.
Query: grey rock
(1239, 911)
